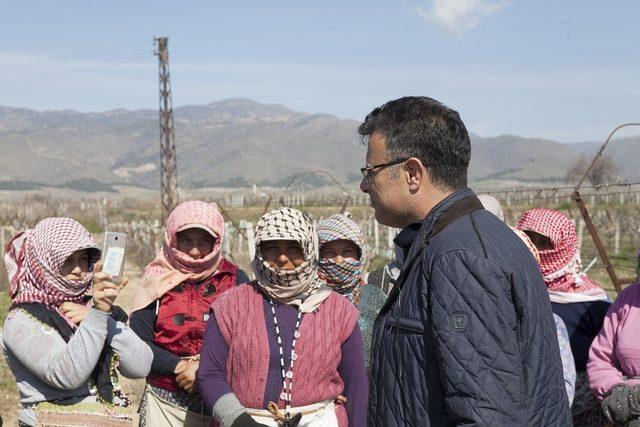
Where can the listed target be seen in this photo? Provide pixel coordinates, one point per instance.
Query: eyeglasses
(366, 171)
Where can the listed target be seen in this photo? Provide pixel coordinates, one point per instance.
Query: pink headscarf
(34, 258)
(172, 267)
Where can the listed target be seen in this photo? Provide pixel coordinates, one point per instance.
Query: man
(466, 336)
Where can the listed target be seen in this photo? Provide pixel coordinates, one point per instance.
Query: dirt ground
(9, 398)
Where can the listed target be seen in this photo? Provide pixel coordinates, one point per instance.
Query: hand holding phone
(103, 291)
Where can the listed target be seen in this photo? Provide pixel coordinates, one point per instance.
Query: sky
(563, 70)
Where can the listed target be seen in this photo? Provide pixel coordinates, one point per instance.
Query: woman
(284, 349)
(578, 300)
(171, 308)
(341, 265)
(342, 256)
(65, 371)
(614, 360)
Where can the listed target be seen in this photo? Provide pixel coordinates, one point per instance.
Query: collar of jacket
(406, 236)
(457, 204)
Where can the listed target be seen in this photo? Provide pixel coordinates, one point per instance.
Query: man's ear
(415, 173)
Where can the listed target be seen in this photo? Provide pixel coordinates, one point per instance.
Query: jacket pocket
(406, 324)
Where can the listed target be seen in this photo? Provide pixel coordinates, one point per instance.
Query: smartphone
(113, 252)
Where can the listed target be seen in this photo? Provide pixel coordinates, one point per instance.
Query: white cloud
(458, 16)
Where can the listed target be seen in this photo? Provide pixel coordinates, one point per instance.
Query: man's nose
(364, 185)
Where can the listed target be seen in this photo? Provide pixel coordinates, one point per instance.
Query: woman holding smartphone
(171, 308)
(64, 358)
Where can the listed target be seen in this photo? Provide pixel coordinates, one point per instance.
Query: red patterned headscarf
(34, 258)
(561, 265)
(172, 267)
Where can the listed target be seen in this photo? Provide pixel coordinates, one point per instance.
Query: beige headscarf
(300, 286)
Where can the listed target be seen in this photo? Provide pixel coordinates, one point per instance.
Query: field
(617, 222)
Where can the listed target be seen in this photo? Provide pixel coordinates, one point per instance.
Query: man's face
(385, 186)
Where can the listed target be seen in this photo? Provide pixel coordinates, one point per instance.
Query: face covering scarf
(300, 286)
(35, 257)
(344, 277)
(172, 267)
(560, 266)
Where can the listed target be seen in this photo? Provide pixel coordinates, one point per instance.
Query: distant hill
(521, 159)
(238, 142)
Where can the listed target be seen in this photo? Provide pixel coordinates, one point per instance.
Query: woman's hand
(74, 312)
(104, 292)
(180, 366)
(186, 377)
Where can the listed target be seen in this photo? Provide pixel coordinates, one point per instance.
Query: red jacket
(182, 315)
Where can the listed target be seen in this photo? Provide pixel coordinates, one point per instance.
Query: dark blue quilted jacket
(467, 336)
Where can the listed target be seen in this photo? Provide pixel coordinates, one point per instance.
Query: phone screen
(113, 254)
(113, 261)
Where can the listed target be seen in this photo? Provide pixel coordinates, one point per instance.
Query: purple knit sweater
(213, 370)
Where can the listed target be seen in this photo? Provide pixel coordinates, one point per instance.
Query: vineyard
(615, 211)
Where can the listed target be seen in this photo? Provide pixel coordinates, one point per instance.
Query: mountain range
(239, 142)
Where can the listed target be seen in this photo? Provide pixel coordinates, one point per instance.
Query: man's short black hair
(421, 127)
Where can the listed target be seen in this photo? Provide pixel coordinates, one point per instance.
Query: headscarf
(561, 265)
(34, 258)
(491, 204)
(300, 286)
(172, 267)
(345, 277)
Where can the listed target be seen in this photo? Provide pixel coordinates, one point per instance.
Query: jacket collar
(430, 223)
(406, 236)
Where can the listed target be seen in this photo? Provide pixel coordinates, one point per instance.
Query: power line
(53, 75)
(82, 54)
